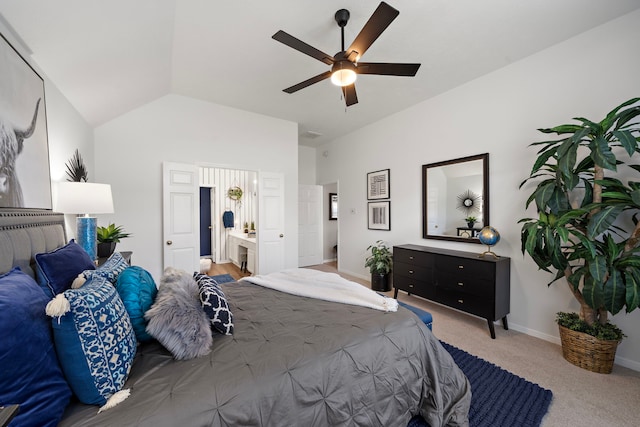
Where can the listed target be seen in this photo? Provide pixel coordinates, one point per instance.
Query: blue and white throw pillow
(214, 303)
(94, 340)
(110, 270)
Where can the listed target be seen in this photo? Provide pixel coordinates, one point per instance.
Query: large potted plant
(587, 230)
(379, 262)
(108, 237)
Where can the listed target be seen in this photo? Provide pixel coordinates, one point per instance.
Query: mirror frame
(485, 196)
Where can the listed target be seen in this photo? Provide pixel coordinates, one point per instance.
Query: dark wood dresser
(461, 280)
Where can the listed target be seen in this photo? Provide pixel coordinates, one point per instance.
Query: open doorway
(233, 211)
(331, 219)
(207, 223)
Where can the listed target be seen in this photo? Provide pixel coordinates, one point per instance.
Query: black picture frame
(333, 206)
(27, 180)
(379, 185)
(379, 215)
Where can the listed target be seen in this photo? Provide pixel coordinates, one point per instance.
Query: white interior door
(180, 216)
(309, 225)
(270, 225)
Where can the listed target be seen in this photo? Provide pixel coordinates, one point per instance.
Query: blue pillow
(31, 375)
(95, 341)
(56, 270)
(214, 304)
(138, 292)
(110, 270)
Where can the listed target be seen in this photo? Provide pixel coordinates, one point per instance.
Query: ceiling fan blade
(350, 96)
(387, 69)
(301, 46)
(379, 21)
(308, 82)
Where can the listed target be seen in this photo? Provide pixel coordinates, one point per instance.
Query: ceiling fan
(344, 64)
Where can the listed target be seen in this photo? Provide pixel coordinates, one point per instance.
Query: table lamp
(84, 199)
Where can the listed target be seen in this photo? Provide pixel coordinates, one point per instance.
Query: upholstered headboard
(26, 232)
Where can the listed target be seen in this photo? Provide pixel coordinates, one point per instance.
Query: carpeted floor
(223, 278)
(499, 398)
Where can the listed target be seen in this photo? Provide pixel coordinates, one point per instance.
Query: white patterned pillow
(110, 270)
(94, 340)
(214, 303)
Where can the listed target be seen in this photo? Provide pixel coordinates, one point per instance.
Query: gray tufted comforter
(295, 361)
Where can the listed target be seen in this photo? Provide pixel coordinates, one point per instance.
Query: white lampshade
(83, 198)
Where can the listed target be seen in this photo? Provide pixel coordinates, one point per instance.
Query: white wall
(499, 113)
(131, 148)
(306, 165)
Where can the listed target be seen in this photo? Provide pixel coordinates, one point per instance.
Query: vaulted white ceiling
(108, 57)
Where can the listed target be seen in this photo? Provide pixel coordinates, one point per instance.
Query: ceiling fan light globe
(343, 77)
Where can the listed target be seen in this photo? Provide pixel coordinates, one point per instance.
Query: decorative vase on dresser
(461, 280)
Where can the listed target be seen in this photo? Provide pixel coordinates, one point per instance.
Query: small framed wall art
(379, 215)
(333, 206)
(378, 185)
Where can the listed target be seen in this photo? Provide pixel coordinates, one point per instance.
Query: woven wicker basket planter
(588, 352)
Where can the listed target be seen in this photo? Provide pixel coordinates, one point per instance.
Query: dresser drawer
(475, 285)
(412, 257)
(413, 271)
(417, 287)
(480, 306)
(464, 266)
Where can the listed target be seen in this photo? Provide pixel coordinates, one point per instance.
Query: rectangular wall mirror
(333, 206)
(455, 198)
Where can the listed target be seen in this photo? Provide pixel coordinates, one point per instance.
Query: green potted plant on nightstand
(108, 237)
(587, 230)
(379, 263)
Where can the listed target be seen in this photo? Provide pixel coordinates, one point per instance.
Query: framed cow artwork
(25, 179)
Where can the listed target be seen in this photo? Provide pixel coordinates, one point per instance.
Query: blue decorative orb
(489, 236)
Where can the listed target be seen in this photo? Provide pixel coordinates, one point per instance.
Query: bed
(291, 360)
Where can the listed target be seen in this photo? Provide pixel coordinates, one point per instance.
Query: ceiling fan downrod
(342, 17)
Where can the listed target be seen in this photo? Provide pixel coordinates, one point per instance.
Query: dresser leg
(491, 329)
(505, 325)
(395, 293)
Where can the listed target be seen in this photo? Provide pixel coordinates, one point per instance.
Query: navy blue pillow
(57, 269)
(214, 304)
(31, 375)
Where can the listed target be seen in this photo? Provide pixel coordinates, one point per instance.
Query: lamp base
(86, 227)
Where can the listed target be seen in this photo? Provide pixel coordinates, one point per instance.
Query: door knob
(281, 236)
(169, 242)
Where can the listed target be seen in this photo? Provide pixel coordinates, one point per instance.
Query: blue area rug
(500, 398)
(223, 278)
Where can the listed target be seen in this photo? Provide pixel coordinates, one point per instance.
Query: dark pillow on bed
(176, 318)
(94, 340)
(57, 269)
(138, 291)
(110, 270)
(214, 303)
(31, 375)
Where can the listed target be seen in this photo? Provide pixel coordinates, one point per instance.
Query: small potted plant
(108, 237)
(379, 263)
(471, 221)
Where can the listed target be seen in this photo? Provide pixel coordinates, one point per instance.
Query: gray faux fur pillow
(176, 318)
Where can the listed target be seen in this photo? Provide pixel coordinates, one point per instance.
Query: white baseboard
(324, 261)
